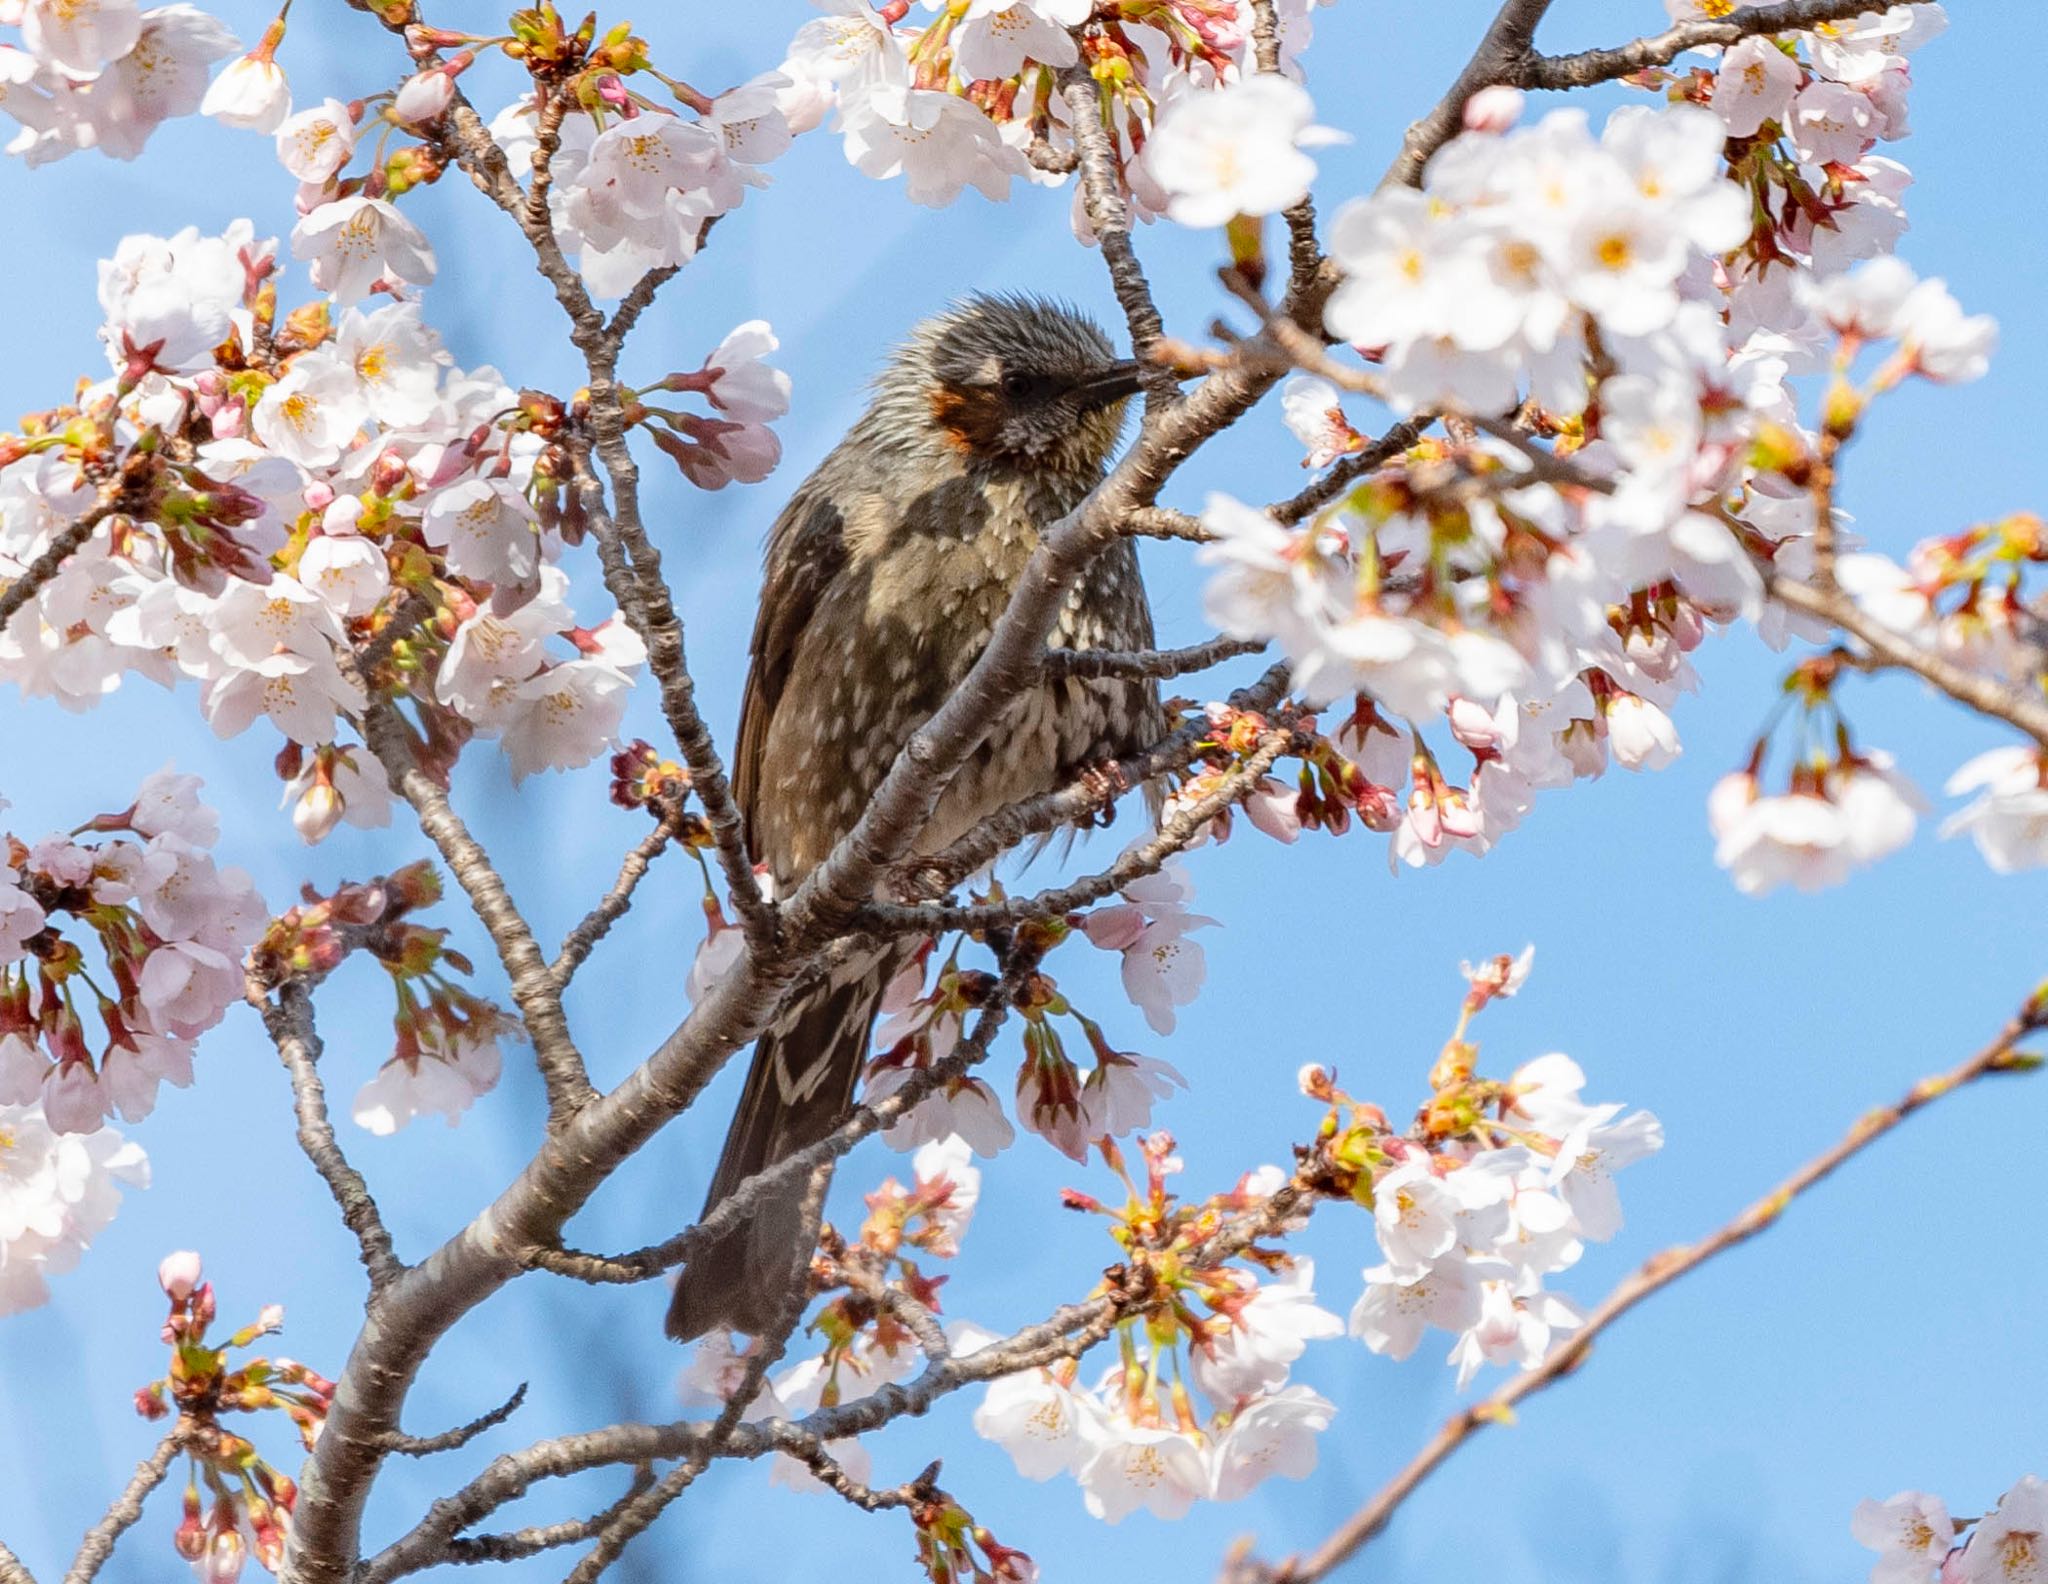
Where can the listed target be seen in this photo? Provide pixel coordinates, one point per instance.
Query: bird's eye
(1017, 385)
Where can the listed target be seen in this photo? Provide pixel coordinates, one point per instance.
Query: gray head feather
(1011, 382)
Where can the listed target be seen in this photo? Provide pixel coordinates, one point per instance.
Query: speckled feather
(885, 575)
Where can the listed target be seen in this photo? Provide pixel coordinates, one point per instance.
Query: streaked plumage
(885, 574)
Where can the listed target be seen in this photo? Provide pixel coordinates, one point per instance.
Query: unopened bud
(178, 1274)
(1494, 109)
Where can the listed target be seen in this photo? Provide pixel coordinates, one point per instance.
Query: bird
(883, 579)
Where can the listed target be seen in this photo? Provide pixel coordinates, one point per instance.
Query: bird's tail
(799, 1088)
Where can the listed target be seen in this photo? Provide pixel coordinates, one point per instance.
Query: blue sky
(1870, 1342)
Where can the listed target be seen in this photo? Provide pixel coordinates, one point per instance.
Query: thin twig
(1160, 663)
(1985, 694)
(288, 1019)
(533, 986)
(1176, 832)
(632, 571)
(635, 1516)
(596, 924)
(12, 1569)
(645, 1264)
(1350, 469)
(516, 1544)
(98, 1544)
(68, 542)
(1503, 54)
(1110, 219)
(1604, 65)
(461, 1435)
(1657, 1273)
(937, 873)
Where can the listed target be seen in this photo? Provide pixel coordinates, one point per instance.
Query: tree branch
(533, 987)
(12, 1569)
(68, 542)
(1175, 833)
(98, 1544)
(1507, 55)
(1503, 55)
(1160, 663)
(1985, 694)
(288, 1019)
(636, 1515)
(1109, 217)
(461, 1435)
(644, 1264)
(1657, 1273)
(536, 1538)
(937, 873)
(1603, 65)
(597, 923)
(1349, 469)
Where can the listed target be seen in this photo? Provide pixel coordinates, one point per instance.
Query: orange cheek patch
(971, 418)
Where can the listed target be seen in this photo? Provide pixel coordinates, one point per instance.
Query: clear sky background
(1884, 1335)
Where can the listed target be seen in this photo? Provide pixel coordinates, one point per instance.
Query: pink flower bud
(224, 1558)
(424, 96)
(178, 1274)
(1473, 726)
(1275, 808)
(317, 812)
(318, 495)
(1493, 109)
(270, 1317)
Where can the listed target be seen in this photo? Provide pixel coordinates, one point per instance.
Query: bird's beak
(1110, 384)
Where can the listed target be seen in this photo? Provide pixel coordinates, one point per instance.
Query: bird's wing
(806, 549)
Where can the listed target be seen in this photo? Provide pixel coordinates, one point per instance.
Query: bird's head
(1019, 382)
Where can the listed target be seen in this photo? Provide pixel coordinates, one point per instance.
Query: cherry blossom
(446, 1085)
(1235, 151)
(1314, 411)
(1590, 1154)
(2009, 819)
(1274, 1434)
(252, 91)
(353, 243)
(1911, 1533)
(2006, 1546)
(79, 35)
(1039, 1420)
(1399, 1304)
(1162, 968)
(58, 1191)
(1129, 1466)
(315, 144)
(1249, 1348)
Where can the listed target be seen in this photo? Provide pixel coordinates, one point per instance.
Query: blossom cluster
(1136, 1437)
(1917, 1542)
(1614, 324)
(1070, 1109)
(58, 1191)
(866, 1345)
(237, 1504)
(104, 74)
(1497, 1186)
(148, 902)
(967, 97)
(445, 1050)
(274, 491)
